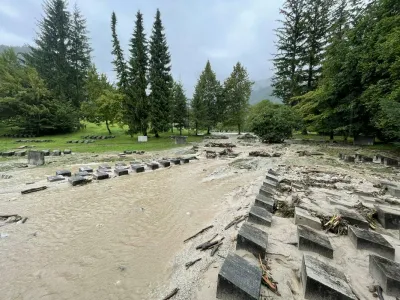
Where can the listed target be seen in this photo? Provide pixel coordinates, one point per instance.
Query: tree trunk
(304, 131)
(208, 130)
(331, 136)
(239, 128)
(172, 128)
(108, 128)
(156, 134)
(196, 129)
(180, 131)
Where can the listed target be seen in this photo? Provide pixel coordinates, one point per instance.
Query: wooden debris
(259, 154)
(172, 294)
(191, 263)
(215, 248)
(267, 279)
(235, 221)
(197, 234)
(221, 145)
(205, 243)
(211, 244)
(34, 190)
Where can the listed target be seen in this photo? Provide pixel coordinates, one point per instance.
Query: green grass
(121, 142)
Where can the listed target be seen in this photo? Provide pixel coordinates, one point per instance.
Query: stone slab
(46, 152)
(390, 162)
(238, 279)
(36, 158)
(185, 160)
(252, 239)
(165, 163)
(371, 241)
(393, 190)
(303, 217)
(265, 202)
(120, 164)
(20, 153)
(86, 169)
(56, 153)
(266, 191)
(101, 176)
(259, 215)
(8, 153)
(322, 281)
(77, 180)
(176, 161)
(65, 173)
(353, 218)
(272, 177)
(55, 178)
(386, 273)
(127, 152)
(270, 184)
(121, 171)
(388, 217)
(83, 174)
(153, 166)
(107, 167)
(138, 168)
(67, 151)
(365, 159)
(310, 240)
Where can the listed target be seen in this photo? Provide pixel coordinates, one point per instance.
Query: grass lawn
(120, 143)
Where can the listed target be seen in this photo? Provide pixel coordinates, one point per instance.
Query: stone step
(388, 217)
(272, 177)
(67, 151)
(238, 279)
(271, 184)
(303, 217)
(265, 202)
(259, 215)
(252, 239)
(153, 166)
(322, 281)
(265, 191)
(372, 241)
(86, 169)
(175, 161)
(101, 175)
(165, 163)
(55, 178)
(65, 173)
(353, 218)
(386, 273)
(121, 171)
(77, 180)
(185, 160)
(310, 240)
(137, 168)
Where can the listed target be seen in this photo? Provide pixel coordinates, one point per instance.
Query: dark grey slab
(138, 168)
(266, 191)
(303, 217)
(272, 177)
(388, 217)
(372, 241)
(101, 176)
(20, 153)
(55, 178)
(238, 279)
(8, 153)
(56, 153)
(185, 160)
(176, 161)
(65, 173)
(390, 162)
(310, 240)
(153, 166)
(120, 164)
(252, 239)
(259, 215)
(46, 152)
(322, 281)
(270, 184)
(121, 171)
(83, 174)
(386, 273)
(353, 218)
(349, 158)
(86, 169)
(77, 180)
(67, 151)
(127, 152)
(266, 202)
(36, 158)
(165, 163)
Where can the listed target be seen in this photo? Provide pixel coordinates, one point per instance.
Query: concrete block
(322, 281)
(176, 161)
(393, 190)
(120, 164)
(165, 163)
(67, 151)
(386, 273)
(138, 168)
(127, 152)
(265, 202)
(8, 153)
(390, 162)
(20, 153)
(238, 279)
(121, 171)
(303, 217)
(185, 160)
(259, 215)
(310, 240)
(83, 174)
(153, 165)
(36, 158)
(86, 169)
(55, 178)
(271, 184)
(252, 239)
(65, 173)
(101, 176)
(77, 180)
(366, 159)
(371, 241)
(56, 153)
(349, 158)
(272, 178)
(266, 191)
(46, 152)
(388, 217)
(353, 218)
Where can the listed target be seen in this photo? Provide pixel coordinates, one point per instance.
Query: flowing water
(113, 239)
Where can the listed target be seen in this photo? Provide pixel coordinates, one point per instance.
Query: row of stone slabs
(238, 279)
(104, 170)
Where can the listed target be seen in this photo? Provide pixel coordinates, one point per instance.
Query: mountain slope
(262, 90)
(17, 49)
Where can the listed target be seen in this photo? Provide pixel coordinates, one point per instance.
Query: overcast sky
(223, 31)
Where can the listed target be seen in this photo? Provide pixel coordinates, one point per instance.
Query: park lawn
(121, 142)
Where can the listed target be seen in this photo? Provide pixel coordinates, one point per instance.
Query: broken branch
(191, 263)
(170, 295)
(200, 232)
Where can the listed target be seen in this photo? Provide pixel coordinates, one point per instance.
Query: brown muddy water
(113, 239)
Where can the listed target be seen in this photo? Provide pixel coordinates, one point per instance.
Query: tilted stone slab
(83, 174)
(266, 202)
(271, 184)
(388, 217)
(165, 163)
(353, 218)
(238, 279)
(8, 153)
(259, 215)
(252, 239)
(310, 240)
(393, 190)
(77, 180)
(336, 201)
(372, 241)
(265, 191)
(86, 169)
(387, 273)
(65, 173)
(101, 175)
(153, 166)
(322, 281)
(303, 217)
(272, 177)
(121, 171)
(36, 158)
(55, 178)
(176, 161)
(138, 168)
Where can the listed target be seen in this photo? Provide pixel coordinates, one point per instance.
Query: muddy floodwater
(113, 239)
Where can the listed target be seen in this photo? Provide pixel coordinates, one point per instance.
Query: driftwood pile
(216, 137)
(220, 145)
(8, 219)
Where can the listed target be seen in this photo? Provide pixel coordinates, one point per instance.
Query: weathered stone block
(101, 176)
(56, 153)
(165, 163)
(303, 217)
(83, 174)
(336, 201)
(390, 162)
(64, 173)
(393, 190)
(153, 166)
(86, 169)
(46, 152)
(67, 151)
(120, 164)
(127, 152)
(8, 153)
(322, 281)
(259, 215)
(272, 178)
(107, 167)
(36, 158)
(372, 241)
(386, 273)
(138, 168)
(20, 153)
(77, 180)
(185, 160)
(55, 178)
(121, 171)
(341, 156)
(238, 279)
(366, 159)
(176, 161)
(266, 191)
(310, 240)
(266, 202)
(388, 217)
(252, 239)
(349, 158)
(353, 218)
(271, 184)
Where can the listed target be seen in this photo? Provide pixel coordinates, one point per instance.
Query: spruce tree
(179, 106)
(198, 107)
(119, 61)
(288, 79)
(160, 78)
(237, 95)
(137, 70)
